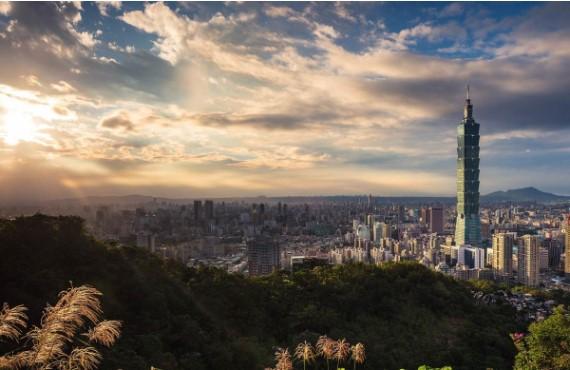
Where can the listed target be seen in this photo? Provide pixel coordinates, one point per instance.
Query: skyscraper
(503, 254)
(263, 254)
(209, 209)
(198, 210)
(468, 224)
(567, 250)
(554, 252)
(529, 261)
(436, 219)
(424, 215)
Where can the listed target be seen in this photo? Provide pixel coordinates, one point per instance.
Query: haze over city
(245, 99)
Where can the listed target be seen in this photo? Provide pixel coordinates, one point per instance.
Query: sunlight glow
(18, 127)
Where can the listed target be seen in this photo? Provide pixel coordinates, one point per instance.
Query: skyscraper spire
(468, 110)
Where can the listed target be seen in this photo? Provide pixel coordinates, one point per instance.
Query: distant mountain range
(529, 194)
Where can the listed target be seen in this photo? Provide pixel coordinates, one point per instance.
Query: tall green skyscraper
(468, 224)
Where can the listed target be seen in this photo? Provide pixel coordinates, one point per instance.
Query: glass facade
(468, 224)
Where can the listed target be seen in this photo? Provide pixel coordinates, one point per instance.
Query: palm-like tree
(283, 358)
(358, 355)
(341, 351)
(305, 352)
(325, 348)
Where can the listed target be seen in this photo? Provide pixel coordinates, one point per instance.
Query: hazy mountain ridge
(527, 194)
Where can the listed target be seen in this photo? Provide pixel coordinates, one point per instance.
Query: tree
(341, 351)
(305, 353)
(357, 354)
(547, 346)
(326, 348)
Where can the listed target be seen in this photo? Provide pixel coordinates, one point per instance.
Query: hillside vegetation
(179, 318)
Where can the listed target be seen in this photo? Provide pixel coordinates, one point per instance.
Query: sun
(18, 127)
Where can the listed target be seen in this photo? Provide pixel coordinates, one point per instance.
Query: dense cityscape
(257, 238)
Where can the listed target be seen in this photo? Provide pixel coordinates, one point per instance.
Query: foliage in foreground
(325, 351)
(57, 343)
(177, 318)
(547, 346)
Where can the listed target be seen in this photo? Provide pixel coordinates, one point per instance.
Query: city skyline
(228, 100)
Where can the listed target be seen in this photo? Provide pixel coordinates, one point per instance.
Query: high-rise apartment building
(436, 219)
(554, 249)
(469, 257)
(386, 230)
(468, 224)
(377, 232)
(263, 255)
(529, 260)
(503, 254)
(424, 216)
(485, 230)
(370, 220)
(567, 249)
(198, 210)
(209, 209)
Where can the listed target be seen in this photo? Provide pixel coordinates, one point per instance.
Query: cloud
(63, 87)
(409, 36)
(105, 6)
(127, 49)
(452, 10)
(48, 26)
(32, 80)
(249, 94)
(278, 11)
(119, 120)
(341, 10)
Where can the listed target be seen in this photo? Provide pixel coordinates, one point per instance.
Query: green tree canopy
(547, 346)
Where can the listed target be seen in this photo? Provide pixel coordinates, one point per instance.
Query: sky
(253, 98)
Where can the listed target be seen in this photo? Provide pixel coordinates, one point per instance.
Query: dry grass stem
(12, 321)
(105, 333)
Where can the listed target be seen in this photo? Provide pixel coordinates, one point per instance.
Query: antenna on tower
(467, 91)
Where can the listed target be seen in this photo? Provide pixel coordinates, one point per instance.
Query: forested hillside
(179, 318)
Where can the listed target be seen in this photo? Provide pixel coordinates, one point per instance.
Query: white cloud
(85, 38)
(63, 87)
(105, 6)
(342, 12)
(278, 11)
(32, 80)
(324, 30)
